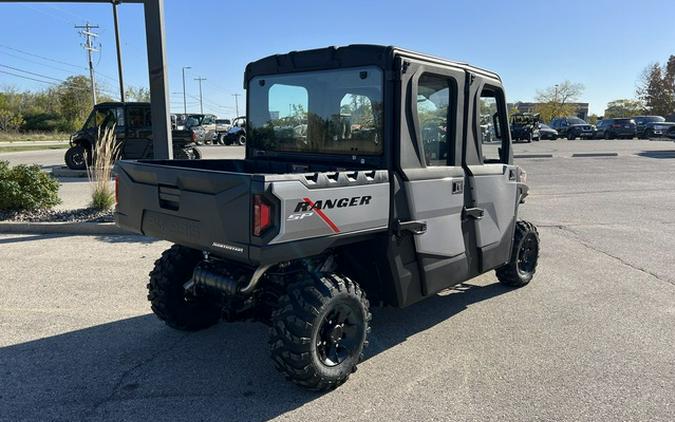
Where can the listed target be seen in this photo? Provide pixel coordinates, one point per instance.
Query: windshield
(332, 112)
(576, 121)
(194, 120)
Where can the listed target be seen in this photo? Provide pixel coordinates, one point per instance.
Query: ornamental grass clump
(104, 155)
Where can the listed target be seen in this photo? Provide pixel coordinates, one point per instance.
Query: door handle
(475, 213)
(415, 227)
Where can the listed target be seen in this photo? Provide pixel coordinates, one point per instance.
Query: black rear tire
(524, 257)
(319, 331)
(241, 140)
(168, 298)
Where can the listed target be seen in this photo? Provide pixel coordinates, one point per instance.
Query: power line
(27, 77)
(41, 57)
(31, 73)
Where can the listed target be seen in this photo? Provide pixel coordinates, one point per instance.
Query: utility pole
(201, 104)
(89, 46)
(119, 48)
(184, 99)
(236, 104)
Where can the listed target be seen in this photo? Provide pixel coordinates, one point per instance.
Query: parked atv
(367, 180)
(525, 127)
(133, 131)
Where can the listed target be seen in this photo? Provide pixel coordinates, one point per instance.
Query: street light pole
(119, 48)
(184, 99)
(236, 104)
(201, 103)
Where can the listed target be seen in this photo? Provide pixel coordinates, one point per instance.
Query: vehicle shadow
(127, 238)
(137, 368)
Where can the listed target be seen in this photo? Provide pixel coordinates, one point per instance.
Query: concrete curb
(66, 172)
(61, 228)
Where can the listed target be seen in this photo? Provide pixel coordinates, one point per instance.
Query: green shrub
(25, 187)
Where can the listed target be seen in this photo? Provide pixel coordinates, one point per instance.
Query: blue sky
(533, 44)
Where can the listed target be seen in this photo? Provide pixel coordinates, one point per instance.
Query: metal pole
(119, 48)
(236, 104)
(159, 84)
(184, 93)
(201, 103)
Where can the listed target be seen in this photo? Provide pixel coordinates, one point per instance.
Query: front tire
(76, 158)
(524, 257)
(319, 331)
(169, 300)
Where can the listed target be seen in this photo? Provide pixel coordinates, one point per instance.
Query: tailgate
(204, 209)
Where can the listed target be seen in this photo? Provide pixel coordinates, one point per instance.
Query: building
(582, 108)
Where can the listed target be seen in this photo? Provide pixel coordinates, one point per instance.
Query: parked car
(642, 121)
(133, 133)
(546, 132)
(671, 132)
(657, 129)
(616, 128)
(524, 127)
(572, 128)
(237, 133)
(316, 219)
(222, 127)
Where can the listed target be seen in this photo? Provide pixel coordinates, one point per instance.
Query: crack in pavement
(116, 387)
(576, 236)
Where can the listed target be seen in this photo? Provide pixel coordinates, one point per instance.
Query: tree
(656, 88)
(624, 108)
(139, 94)
(555, 101)
(75, 100)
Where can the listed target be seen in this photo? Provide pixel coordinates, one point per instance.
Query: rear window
(330, 112)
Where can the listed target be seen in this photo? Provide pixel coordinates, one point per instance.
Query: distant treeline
(61, 108)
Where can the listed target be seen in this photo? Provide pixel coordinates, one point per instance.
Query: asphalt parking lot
(591, 338)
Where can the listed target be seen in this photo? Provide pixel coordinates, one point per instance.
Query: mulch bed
(81, 215)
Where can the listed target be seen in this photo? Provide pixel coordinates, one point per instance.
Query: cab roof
(347, 56)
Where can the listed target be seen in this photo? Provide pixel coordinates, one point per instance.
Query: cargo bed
(209, 205)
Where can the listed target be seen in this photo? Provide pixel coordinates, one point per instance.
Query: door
(433, 175)
(492, 204)
(138, 143)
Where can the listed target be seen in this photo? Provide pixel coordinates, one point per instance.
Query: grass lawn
(33, 136)
(19, 148)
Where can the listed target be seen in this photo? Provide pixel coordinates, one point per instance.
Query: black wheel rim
(527, 255)
(339, 335)
(78, 158)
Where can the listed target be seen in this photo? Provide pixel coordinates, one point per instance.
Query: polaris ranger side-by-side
(365, 175)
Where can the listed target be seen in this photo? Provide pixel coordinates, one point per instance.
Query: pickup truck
(366, 175)
(133, 133)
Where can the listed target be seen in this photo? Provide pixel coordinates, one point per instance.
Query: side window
(434, 97)
(493, 136)
(119, 116)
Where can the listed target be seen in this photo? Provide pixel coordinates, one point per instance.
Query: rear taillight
(262, 215)
(117, 190)
(194, 136)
